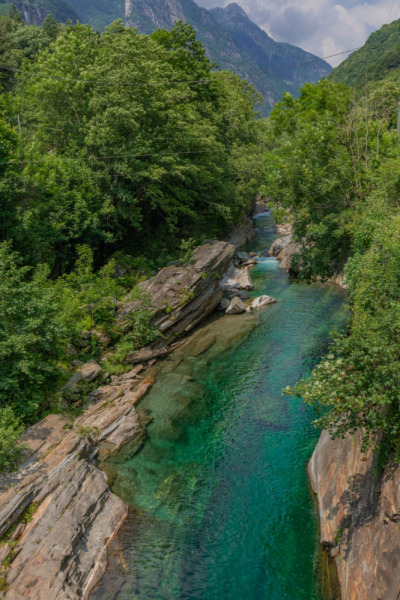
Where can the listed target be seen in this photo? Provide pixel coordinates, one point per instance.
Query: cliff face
(359, 515)
(268, 53)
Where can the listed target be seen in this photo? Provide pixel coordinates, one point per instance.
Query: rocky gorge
(57, 513)
(58, 516)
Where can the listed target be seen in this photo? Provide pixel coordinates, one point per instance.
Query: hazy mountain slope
(233, 42)
(220, 43)
(268, 53)
(99, 13)
(35, 11)
(377, 59)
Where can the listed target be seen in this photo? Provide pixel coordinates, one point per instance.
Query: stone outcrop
(284, 248)
(182, 296)
(236, 279)
(88, 372)
(61, 553)
(359, 515)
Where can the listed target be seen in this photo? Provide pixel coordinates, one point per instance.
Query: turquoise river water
(220, 503)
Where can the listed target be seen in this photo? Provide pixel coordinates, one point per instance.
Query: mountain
(233, 42)
(34, 12)
(378, 59)
(268, 53)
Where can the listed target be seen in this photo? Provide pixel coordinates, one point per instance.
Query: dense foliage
(130, 151)
(124, 152)
(334, 164)
(10, 446)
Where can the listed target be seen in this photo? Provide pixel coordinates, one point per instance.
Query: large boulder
(236, 279)
(236, 307)
(182, 296)
(280, 244)
(262, 301)
(284, 248)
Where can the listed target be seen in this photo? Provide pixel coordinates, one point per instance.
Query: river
(221, 507)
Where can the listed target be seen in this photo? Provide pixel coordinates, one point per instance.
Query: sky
(323, 27)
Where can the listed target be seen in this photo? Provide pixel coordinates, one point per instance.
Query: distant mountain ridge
(270, 54)
(233, 42)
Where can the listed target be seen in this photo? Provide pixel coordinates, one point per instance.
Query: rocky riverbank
(284, 248)
(57, 513)
(359, 514)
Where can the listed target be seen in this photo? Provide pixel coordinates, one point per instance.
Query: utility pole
(19, 121)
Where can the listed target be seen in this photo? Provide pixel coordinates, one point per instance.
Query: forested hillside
(378, 59)
(131, 150)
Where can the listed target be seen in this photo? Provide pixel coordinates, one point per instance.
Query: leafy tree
(122, 167)
(325, 158)
(19, 41)
(31, 335)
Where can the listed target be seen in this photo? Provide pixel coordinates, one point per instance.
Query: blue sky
(323, 27)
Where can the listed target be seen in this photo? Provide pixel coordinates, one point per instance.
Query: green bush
(10, 447)
(31, 335)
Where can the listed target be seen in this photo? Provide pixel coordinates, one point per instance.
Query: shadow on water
(220, 503)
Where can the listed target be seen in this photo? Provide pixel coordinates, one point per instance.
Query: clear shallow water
(221, 508)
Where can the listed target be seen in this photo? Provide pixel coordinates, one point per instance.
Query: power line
(390, 14)
(186, 82)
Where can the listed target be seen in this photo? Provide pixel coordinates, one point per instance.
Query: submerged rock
(236, 307)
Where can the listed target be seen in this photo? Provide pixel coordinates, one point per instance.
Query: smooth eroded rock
(236, 307)
(223, 305)
(262, 301)
(182, 296)
(359, 513)
(236, 279)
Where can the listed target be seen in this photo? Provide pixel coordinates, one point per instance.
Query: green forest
(121, 152)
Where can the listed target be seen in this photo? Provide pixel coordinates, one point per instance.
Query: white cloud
(323, 27)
